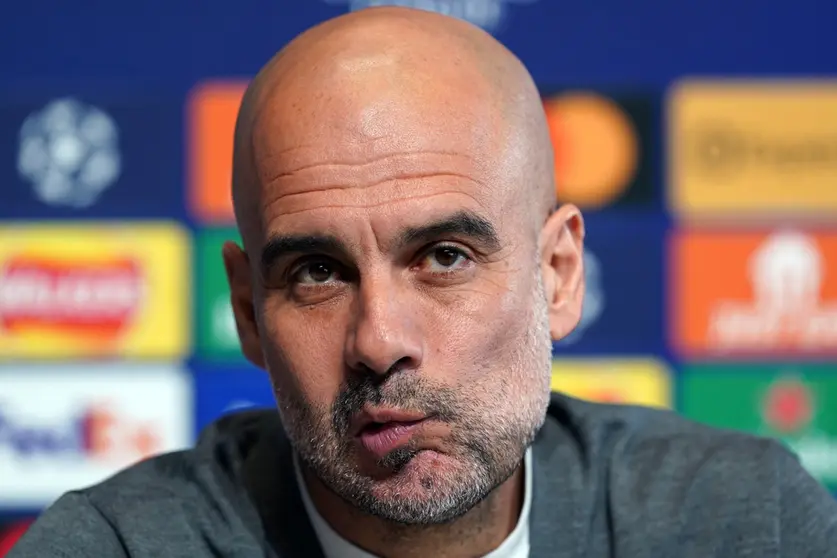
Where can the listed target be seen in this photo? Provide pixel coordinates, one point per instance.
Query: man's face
(402, 316)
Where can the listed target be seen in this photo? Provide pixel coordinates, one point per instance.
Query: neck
(476, 533)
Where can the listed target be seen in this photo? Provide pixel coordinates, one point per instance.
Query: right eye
(315, 272)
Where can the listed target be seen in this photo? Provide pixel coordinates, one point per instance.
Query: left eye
(445, 258)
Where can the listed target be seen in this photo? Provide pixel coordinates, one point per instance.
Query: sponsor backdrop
(89, 419)
(10, 532)
(84, 290)
(706, 170)
(796, 403)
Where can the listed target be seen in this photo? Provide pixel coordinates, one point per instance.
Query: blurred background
(700, 139)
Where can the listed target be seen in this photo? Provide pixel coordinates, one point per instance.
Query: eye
(316, 273)
(443, 259)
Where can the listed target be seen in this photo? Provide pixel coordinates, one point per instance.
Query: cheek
(485, 334)
(304, 356)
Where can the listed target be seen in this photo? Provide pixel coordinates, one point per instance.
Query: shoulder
(203, 478)
(151, 483)
(185, 499)
(116, 516)
(660, 438)
(655, 467)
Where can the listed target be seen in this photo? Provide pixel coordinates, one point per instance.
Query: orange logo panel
(754, 293)
(212, 111)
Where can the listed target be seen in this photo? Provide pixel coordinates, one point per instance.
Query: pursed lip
(371, 416)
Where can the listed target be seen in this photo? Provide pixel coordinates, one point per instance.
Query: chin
(430, 489)
(426, 467)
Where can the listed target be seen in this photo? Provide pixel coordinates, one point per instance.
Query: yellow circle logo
(596, 148)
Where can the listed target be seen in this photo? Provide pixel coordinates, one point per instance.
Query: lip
(371, 416)
(390, 436)
(380, 431)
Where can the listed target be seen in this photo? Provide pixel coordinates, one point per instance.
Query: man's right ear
(239, 277)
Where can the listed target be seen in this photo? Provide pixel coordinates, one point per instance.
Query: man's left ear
(562, 264)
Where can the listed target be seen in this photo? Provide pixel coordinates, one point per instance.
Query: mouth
(381, 432)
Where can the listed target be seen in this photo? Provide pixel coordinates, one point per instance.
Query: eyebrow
(463, 223)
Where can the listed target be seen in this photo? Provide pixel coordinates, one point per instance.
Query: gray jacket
(610, 481)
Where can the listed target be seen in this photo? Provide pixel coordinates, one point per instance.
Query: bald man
(403, 269)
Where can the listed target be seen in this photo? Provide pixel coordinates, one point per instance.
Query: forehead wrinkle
(373, 234)
(393, 175)
(372, 205)
(360, 164)
(323, 185)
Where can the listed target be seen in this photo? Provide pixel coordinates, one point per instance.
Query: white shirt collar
(516, 545)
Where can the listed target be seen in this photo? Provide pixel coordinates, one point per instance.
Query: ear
(239, 276)
(562, 264)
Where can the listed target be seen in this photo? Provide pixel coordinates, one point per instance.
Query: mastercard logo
(596, 148)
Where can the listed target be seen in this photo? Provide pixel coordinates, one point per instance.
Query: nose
(384, 336)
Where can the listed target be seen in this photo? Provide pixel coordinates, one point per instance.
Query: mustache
(399, 391)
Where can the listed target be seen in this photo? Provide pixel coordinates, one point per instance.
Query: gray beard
(492, 449)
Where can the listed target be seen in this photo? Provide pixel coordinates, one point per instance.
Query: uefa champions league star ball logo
(488, 14)
(69, 152)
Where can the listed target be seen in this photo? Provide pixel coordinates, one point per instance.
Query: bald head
(393, 75)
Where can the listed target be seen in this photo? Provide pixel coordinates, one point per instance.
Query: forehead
(330, 120)
(387, 153)
(382, 196)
